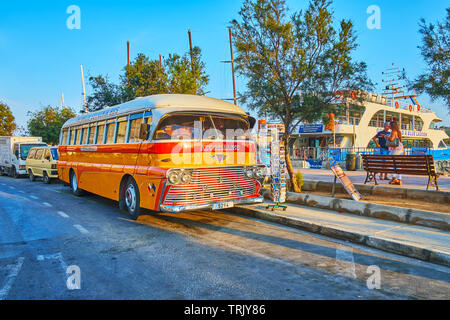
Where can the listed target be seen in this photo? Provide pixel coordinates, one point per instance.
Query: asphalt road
(46, 231)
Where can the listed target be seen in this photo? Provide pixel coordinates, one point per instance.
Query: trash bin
(350, 161)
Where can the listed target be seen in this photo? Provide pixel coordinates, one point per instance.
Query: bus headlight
(248, 172)
(186, 177)
(173, 177)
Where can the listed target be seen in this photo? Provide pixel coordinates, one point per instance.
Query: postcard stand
(278, 169)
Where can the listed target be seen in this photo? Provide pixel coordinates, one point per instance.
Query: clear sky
(40, 57)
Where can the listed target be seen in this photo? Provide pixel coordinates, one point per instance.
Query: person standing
(394, 142)
(380, 142)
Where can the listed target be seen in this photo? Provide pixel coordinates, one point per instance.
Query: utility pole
(84, 89)
(232, 66)
(190, 50)
(62, 101)
(160, 61)
(128, 53)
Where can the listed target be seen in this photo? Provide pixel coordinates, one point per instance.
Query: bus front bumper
(212, 206)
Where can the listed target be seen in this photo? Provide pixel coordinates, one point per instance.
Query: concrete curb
(423, 218)
(404, 193)
(379, 243)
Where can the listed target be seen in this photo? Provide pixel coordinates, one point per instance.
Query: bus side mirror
(17, 154)
(144, 131)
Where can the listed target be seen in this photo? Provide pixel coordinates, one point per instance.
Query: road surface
(54, 245)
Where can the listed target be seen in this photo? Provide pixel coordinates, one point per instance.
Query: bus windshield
(184, 126)
(25, 149)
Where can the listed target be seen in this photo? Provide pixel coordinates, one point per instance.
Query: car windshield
(183, 126)
(54, 152)
(25, 149)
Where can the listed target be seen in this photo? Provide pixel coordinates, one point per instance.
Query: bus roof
(161, 101)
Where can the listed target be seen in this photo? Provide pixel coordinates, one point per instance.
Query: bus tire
(131, 199)
(31, 176)
(74, 185)
(46, 178)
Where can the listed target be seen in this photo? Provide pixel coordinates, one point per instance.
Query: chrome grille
(210, 185)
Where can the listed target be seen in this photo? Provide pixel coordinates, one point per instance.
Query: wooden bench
(418, 165)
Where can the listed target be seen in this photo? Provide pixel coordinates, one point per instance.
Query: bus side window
(69, 137)
(134, 130)
(92, 130)
(64, 137)
(110, 128)
(100, 133)
(121, 131)
(75, 132)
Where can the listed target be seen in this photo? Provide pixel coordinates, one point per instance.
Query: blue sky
(40, 57)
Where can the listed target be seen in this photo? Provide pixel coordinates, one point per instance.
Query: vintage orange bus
(166, 153)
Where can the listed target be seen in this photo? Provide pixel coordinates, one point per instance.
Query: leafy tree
(144, 77)
(294, 63)
(7, 121)
(47, 123)
(435, 50)
(105, 93)
(184, 76)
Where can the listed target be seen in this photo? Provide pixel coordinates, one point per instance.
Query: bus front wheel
(74, 185)
(131, 199)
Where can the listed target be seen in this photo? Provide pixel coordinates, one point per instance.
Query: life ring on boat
(418, 108)
(338, 94)
(354, 95)
(397, 105)
(410, 108)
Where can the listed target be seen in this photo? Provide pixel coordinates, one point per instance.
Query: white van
(14, 152)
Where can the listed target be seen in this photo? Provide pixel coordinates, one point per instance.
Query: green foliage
(435, 50)
(105, 93)
(7, 121)
(296, 62)
(300, 181)
(47, 123)
(144, 77)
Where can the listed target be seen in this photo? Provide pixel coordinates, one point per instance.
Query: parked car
(42, 162)
(14, 152)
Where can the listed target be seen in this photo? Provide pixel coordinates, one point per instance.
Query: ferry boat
(364, 116)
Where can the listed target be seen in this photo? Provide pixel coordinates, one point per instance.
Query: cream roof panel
(170, 102)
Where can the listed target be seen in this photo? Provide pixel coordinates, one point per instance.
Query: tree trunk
(289, 167)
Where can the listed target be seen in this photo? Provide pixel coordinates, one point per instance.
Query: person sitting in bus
(165, 133)
(183, 131)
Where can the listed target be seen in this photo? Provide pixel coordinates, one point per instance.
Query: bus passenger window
(74, 142)
(100, 131)
(121, 131)
(64, 138)
(91, 134)
(110, 132)
(134, 130)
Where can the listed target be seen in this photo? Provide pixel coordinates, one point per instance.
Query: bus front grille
(211, 185)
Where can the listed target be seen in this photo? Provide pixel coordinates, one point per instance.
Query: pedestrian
(380, 142)
(394, 142)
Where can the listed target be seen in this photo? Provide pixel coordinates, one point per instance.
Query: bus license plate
(222, 205)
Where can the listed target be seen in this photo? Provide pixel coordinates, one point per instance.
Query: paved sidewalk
(416, 182)
(413, 241)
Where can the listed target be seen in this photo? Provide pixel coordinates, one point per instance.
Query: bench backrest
(402, 164)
